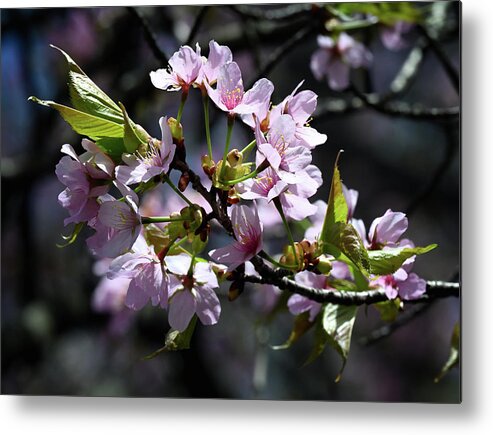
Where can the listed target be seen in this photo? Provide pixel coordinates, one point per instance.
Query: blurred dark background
(54, 343)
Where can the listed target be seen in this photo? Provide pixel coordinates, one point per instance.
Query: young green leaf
(387, 261)
(133, 137)
(301, 325)
(454, 355)
(87, 97)
(84, 123)
(113, 146)
(337, 322)
(337, 209)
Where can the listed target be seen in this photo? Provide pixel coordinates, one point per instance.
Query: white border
(61, 415)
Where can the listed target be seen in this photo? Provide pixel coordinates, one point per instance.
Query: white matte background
(73, 416)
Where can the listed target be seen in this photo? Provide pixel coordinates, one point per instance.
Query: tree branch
(197, 24)
(434, 289)
(149, 36)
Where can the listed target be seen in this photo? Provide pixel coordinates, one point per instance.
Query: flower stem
(205, 102)
(277, 203)
(184, 96)
(170, 183)
(252, 174)
(246, 151)
(231, 122)
(160, 219)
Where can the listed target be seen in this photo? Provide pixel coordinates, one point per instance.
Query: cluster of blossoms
(142, 240)
(338, 54)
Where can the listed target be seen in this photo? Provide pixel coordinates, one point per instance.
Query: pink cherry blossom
(219, 55)
(248, 233)
(407, 286)
(300, 106)
(148, 277)
(298, 304)
(387, 229)
(117, 225)
(282, 150)
(392, 36)
(184, 68)
(156, 160)
(230, 96)
(293, 197)
(191, 292)
(85, 179)
(109, 297)
(335, 58)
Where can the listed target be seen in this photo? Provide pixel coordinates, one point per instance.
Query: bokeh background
(53, 340)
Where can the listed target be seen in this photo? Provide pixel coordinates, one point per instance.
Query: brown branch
(149, 36)
(434, 289)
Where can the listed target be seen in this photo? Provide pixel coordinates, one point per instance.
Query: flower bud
(176, 130)
(324, 265)
(183, 181)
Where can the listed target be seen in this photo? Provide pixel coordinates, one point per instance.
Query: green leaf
(337, 209)
(387, 261)
(301, 325)
(84, 123)
(113, 146)
(338, 236)
(337, 322)
(176, 340)
(454, 355)
(72, 237)
(87, 97)
(132, 137)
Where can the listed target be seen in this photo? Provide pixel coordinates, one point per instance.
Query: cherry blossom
(155, 161)
(336, 57)
(230, 96)
(248, 233)
(191, 292)
(184, 68)
(148, 277)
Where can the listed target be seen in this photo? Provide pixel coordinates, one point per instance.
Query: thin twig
(277, 54)
(279, 14)
(149, 36)
(443, 58)
(389, 328)
(439, 172)
(197, 24)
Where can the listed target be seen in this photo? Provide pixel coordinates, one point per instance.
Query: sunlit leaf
(87, 97)
(387, 261)
(84, 123)
(338, 322)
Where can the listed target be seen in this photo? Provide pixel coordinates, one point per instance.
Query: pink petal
(255, 98)
(164, 80)
(338, 75)
(182, 307)
(302, 106)
(413, 288)
(136, 297)
(178, 264)
(208, 307)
